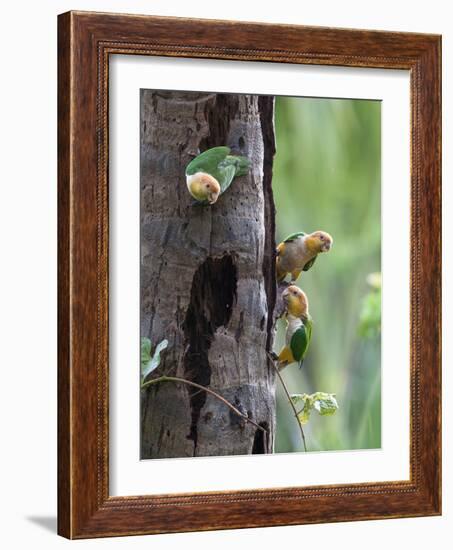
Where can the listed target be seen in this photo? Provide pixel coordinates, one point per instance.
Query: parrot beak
(285, 295)
(214, 192)
(213, 198)
(327, 246)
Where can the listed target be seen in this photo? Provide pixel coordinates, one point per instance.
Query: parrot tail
(242, 164)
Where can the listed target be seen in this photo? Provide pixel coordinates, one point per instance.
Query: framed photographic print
(249, 275)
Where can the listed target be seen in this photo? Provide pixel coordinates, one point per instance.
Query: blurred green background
(327, 176)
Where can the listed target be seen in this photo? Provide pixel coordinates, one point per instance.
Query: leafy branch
(324, 403)
(289, 400)
(150, 362)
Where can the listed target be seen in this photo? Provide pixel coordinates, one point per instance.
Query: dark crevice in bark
(211, 303)
(266, 108)
(219, 114)
(259, 441)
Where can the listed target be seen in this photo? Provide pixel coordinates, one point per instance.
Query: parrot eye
(321, 237)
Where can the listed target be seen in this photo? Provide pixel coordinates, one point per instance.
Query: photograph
(260, 274)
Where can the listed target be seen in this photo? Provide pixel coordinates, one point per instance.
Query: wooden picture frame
(85, 42)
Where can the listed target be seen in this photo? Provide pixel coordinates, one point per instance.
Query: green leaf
(303, 407)
(145, 351)
(297, 398)
(324, 403)
(148, 362)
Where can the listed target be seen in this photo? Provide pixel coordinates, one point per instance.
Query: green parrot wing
(309, 264)
(225, 175)
(299, 343)
(231, 167)
(208, 161)
(294, 236)
(242, 164)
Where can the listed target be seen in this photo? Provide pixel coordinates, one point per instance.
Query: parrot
(298, 330)
(210, 174)
(299, 251)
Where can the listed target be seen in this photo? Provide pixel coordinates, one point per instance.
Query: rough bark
(207, 276)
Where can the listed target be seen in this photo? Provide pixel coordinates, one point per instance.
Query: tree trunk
(207, 277)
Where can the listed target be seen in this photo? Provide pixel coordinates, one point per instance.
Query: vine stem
(290, 400)
(207, 390)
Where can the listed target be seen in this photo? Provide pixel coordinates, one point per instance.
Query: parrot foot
(273, 356)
